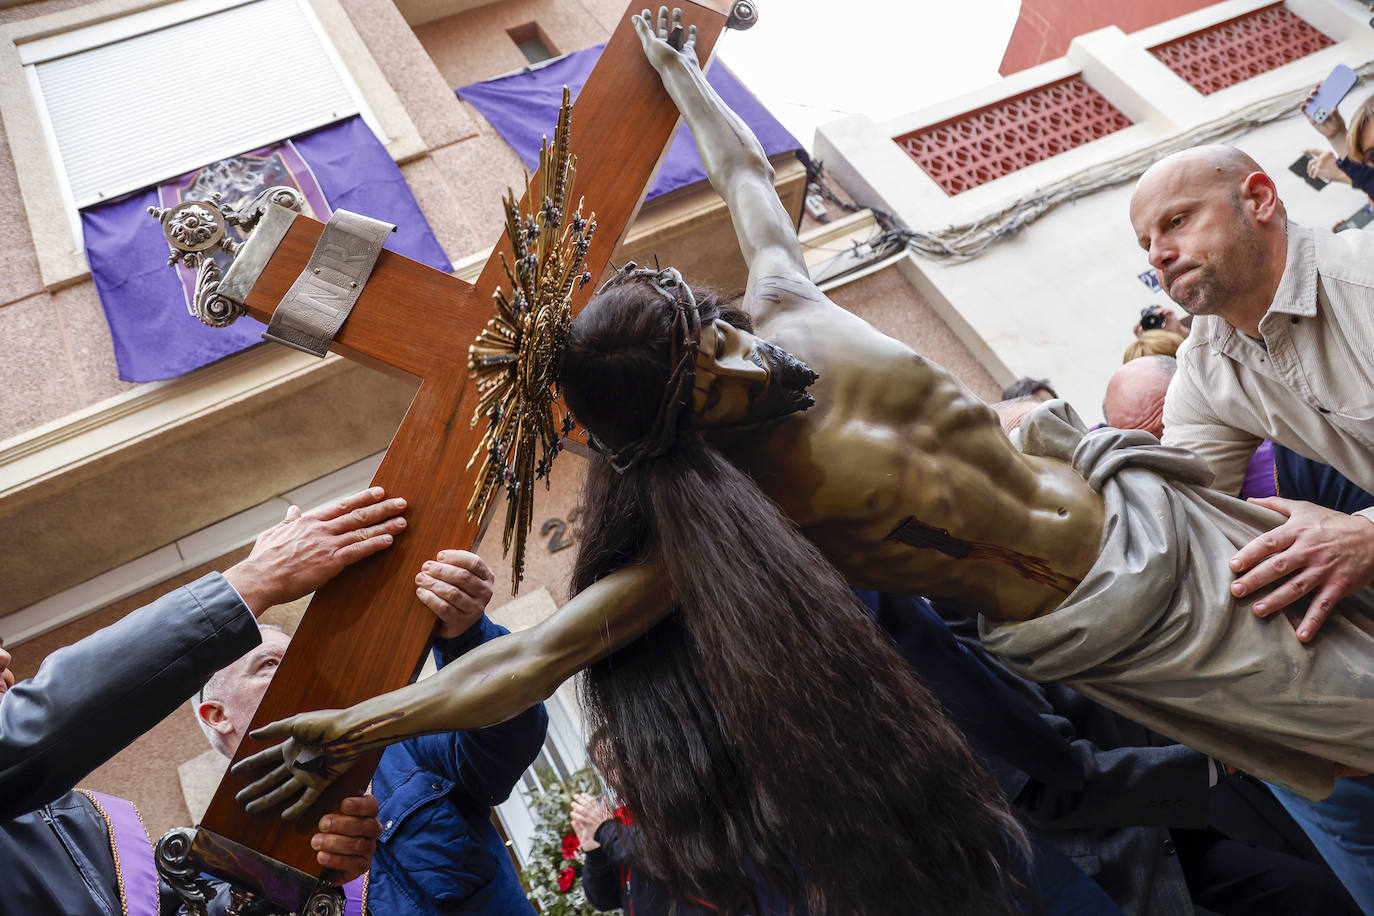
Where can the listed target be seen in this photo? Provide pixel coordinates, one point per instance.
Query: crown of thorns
(684, 340)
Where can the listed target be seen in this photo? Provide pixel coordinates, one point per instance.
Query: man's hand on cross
(456, 585)
(347, 838)
(304, 551)
(1322, 552)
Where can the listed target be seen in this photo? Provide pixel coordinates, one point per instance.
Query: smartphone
(1299, 168)
(1357, 220)
(1329, 94)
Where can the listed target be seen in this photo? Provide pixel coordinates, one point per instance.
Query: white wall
(1059, 297)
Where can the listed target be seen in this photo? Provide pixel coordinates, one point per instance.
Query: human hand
(1321, 551)
(1322, 164)
(588, 813)
(304, 551)
(667, 42)
(456, 586)
(1172, 322)
(1332, 127)
(347, 839)
(316, 750)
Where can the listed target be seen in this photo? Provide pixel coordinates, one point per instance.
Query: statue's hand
(666, 42)
(313, 754)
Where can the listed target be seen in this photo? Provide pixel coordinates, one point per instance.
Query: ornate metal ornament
(185, 855)
(743, 15)
(196, 229)
(318, 303)
(514, 362)
(327, 901)
(173, 858)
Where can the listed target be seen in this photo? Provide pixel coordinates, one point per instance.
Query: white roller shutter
(139, 109)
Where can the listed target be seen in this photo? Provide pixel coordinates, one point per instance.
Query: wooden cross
(365, 632)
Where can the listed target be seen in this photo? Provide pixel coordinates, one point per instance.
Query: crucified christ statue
(724, 431)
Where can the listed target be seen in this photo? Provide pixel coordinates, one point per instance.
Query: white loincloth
(1153, 632)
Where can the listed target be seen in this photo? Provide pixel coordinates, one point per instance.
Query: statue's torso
(895, 441)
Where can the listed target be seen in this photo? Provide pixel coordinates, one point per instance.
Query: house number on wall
(564, 533)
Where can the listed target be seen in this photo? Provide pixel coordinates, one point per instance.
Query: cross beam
(365, 632)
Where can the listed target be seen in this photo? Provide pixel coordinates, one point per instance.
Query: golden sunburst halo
(514, 361)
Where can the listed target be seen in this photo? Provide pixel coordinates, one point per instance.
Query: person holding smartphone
(1352, 145)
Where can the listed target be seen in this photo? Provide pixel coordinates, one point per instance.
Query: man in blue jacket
(439, 851)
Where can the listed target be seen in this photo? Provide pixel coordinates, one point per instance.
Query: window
(532, 42)
(132, 101)
(982, 145)
(1238, 49)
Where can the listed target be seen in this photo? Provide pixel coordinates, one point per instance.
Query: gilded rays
(514, 361)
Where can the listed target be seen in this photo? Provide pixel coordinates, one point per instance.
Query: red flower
(565, 879)
(570, 846)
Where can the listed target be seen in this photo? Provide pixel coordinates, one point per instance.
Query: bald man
(1135, 394)
(1282, 347)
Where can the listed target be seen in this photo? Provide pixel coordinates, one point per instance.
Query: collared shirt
(1308, 385)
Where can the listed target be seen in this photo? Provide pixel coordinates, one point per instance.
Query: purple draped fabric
(132, 853)
(523, 109)
(1259, 473)
(144, 301)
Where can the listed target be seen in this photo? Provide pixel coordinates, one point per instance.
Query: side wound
(915, 533)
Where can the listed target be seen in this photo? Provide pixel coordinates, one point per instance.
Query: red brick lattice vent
(1236, 50)
(977, 147)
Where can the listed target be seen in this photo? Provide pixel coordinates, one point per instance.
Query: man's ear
(211, 712)
(1259, 192)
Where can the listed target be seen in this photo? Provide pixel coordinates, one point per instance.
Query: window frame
(48, 203)
(179, 12)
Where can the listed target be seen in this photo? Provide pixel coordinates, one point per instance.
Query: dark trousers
(1231, 878)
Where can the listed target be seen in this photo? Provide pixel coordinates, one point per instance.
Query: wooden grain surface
(365, 633)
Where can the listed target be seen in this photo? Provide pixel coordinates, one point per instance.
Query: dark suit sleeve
(486, 762)
(91, 699)
(1130, 776)
(601, 869)
(1138, 785)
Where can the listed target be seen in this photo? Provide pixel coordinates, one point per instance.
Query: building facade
(112, 491)
(1017, 194)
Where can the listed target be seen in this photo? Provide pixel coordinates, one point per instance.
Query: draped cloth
(1153, 632)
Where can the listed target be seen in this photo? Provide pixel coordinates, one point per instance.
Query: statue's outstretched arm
(735, 162)
(492, 683)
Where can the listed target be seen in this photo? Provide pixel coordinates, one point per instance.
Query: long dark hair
(770, 742)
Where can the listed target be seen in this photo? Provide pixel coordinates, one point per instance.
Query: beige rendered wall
(56, 356)
(887, 301)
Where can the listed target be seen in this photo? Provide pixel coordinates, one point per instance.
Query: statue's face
(742, 379)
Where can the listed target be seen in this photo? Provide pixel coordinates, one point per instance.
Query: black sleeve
(91, 699)
(601, 869)
(1131, 777)
(1361, 175)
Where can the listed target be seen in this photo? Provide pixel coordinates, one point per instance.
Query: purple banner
(339, 166)
(523, 109)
